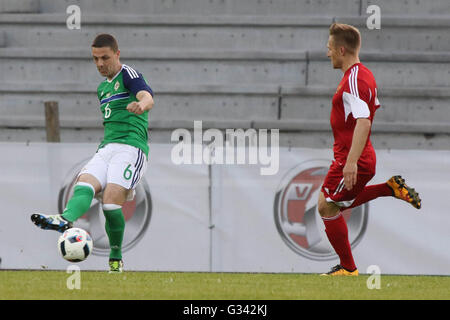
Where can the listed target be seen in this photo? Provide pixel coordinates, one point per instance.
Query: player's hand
(135, 107)
(350, 172)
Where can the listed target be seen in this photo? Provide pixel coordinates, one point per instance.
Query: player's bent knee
(90, 179)
(322, 205)
(321, 208)
(324, 209)
(114, 199)
(327, 209)
(115, 194)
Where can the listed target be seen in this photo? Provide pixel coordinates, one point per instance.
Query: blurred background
(230, 63)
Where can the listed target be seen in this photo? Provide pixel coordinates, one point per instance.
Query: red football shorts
(333, 186)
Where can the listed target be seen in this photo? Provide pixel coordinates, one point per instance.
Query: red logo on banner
(296, 217)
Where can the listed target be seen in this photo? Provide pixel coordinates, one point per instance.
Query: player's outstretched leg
(78, 205)
(400, 190)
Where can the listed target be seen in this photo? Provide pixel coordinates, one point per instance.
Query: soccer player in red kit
(353, 109)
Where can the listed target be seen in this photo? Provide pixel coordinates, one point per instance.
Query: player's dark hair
(347, 36)
(105, 40)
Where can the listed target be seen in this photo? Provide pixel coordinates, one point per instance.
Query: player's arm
(135, 82)
(144, 103)
(359, 140)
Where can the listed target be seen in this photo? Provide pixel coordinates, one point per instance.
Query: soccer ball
(75, 245)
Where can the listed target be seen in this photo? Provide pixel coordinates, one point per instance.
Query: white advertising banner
(166, 225)
(271, 223)
(228, 218)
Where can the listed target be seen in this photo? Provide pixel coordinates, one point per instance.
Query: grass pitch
(24, 285)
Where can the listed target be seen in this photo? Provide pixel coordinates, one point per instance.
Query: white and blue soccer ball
(75, 244)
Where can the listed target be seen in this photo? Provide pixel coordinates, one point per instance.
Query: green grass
(218, 286)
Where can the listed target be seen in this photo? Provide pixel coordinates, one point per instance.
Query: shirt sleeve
(98, 93)
(134, 81)
(357, 98)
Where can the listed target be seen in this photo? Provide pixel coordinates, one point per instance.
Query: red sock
(371, 192)
(337, 232)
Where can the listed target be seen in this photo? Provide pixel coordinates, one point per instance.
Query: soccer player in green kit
(121, 159)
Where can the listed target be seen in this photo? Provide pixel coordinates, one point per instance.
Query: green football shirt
(122, 126)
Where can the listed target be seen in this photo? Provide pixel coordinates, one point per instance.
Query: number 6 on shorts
(127, 174)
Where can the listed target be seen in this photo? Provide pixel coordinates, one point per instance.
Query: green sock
(79, 204)
(115, 228)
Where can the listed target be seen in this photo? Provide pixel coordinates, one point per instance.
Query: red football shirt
(355, 97)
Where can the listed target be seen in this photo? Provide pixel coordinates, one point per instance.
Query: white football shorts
(117, 163)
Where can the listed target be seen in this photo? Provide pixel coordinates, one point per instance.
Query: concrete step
(409, 7)
(423, 109)
(399, 74)
(400, 69)
(251, 7)
(75, 108)
(208, 7)
(245, 71)
(153, 32)
(228, 33)
(407, 105)
(284, 125)
(22, 6)
(83, 53)
(393, 109)
(403, 33)
(79, 101)
(378, 126)
(224, 67)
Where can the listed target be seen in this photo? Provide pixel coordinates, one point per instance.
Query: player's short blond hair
(347, 36)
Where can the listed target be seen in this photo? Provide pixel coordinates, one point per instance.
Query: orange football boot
(401, 191)
(340, 271)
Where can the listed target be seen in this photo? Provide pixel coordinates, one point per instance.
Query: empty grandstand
(232, 64)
